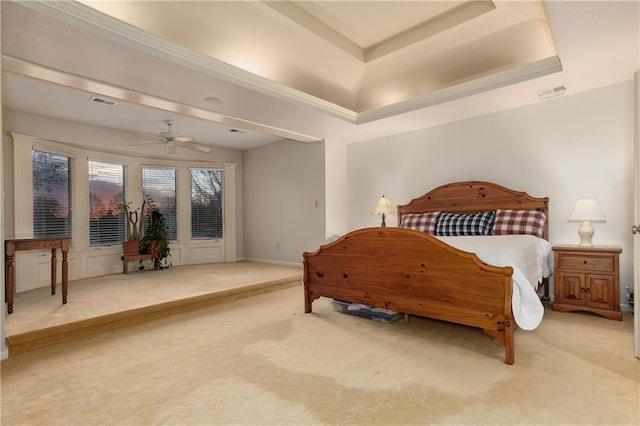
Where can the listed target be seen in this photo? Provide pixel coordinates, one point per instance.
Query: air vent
(551, 92)
(103, 101)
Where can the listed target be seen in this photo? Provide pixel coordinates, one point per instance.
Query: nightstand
(587, 279)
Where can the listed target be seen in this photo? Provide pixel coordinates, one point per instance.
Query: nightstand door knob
(635, 229)
(582, 290)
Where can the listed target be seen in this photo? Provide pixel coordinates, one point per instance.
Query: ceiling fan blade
(186, 139)
(150, 136)
(147, 142)
(192, 145)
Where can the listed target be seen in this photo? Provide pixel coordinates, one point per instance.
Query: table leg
(65, 276)
(53, 271)
(9, 284)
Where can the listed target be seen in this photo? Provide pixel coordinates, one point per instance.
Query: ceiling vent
(552, 92)
(103, 101)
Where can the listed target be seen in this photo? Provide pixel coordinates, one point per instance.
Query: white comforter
(531, 260)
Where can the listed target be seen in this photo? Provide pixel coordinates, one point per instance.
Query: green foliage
(157, 235)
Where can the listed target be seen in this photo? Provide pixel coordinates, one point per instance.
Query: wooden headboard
(475, 196)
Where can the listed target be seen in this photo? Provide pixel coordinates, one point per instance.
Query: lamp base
(586, 232)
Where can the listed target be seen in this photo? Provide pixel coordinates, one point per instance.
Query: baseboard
(274, 262)
(625, 307)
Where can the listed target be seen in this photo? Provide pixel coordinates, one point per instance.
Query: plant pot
(131, 247)
(155, 246)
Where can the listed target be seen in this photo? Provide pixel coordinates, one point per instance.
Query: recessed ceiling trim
(445, 21)
(96, 22)
(482, 84)
(313, 24)
(19, 66)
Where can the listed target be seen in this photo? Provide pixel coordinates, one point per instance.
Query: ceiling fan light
(171, 148)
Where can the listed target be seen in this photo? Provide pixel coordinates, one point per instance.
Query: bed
(416, 273)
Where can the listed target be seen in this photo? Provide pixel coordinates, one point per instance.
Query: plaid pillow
(453, 224)
(423, 222)
(519, 222)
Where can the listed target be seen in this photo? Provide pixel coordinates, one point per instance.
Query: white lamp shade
(383, 206)
(587, 210)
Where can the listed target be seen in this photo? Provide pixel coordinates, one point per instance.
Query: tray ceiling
(362, 59)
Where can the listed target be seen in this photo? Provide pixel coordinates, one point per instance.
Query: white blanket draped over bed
(531, 259)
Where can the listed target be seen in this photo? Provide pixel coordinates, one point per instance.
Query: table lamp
(586, 210)
(383, 206)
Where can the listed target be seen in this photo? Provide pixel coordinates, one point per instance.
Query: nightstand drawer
(584, 262)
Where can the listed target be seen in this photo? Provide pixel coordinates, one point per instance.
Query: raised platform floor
(104, 303)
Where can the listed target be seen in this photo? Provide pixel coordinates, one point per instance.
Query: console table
(10, 248)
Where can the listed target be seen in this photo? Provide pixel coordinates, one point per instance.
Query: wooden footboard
(413, 273)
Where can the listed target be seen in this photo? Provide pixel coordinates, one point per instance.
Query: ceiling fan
(172, 140)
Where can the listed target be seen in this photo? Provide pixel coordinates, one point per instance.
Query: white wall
(565, 148)
(337, 197)
(284, 201)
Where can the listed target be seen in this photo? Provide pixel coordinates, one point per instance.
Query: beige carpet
(261, 360)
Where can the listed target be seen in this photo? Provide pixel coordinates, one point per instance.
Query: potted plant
(134, 227)
(155, 238)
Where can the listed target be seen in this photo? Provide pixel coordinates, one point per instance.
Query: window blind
(52, 210)
(206, 203)
(160, 185)
(106, 191)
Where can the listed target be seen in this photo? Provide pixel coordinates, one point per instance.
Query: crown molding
(98, 23)
(488, 82)
(89, 19)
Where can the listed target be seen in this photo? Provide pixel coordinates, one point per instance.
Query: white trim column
(23, 206)
(4, 351)
(23, 180)
(636, 212)
(230, 210)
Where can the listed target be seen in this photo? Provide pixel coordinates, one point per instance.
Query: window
(206, 203)
(160, 185)
(106, 191)
(51, 195)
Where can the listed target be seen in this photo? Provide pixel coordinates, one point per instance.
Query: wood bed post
(509, 347)
(308, 299)
(509, 321)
